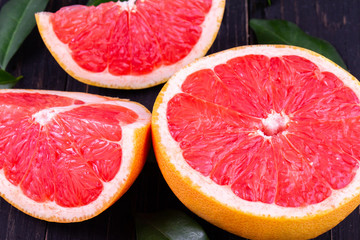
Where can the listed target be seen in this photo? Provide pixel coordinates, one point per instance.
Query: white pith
(50, 210)
(46, 115)
(275, 121)
(61, 52)
(224, 194)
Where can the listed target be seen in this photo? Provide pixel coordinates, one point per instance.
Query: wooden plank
(233, 31)
(349, 228)
(37, 66)
(16, 225)
(95, 228)
(335, 22)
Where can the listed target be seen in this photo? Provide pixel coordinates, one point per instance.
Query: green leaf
(7, 80)
(97, 2)
(16, 22)
(284, 32)
(168, 225)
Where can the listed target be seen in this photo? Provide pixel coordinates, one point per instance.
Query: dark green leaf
(7, 80)
(284, 32)
(16, 22)
(168, 225)
(97, 2)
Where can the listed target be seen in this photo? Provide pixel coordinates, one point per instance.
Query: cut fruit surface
(261, 141)
(65, 156)
(130, 45)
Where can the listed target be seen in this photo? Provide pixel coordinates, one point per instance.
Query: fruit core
(44, 116)
(274, 124)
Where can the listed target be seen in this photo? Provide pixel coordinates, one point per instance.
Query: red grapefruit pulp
(64, 156)
(286, 108)
(262, 135)
(132, 44)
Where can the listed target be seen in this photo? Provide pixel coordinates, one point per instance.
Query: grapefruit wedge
(133, 44)
(67, 156)
(262, 141)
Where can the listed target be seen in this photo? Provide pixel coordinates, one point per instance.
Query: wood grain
(335, 21)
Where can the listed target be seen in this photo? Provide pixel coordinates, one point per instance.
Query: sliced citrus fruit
(130, 45)
(68, 156)
(262, 141)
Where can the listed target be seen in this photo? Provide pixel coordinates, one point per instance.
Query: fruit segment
(250, 79)
(120, 54)
(299, 182)
(256, 177)
(284, 122)
(60, 149)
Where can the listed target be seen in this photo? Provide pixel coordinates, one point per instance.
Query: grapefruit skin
(231, 219)
(52, 212)
(158, 75)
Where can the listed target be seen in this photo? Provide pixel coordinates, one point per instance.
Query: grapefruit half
(262, 141)
(133, 44)
(67, 156)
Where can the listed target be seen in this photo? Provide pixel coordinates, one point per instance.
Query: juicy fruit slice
(65, 156)
(261, 141)
(134, 44)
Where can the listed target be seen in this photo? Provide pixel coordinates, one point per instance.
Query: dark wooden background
(335, 21)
